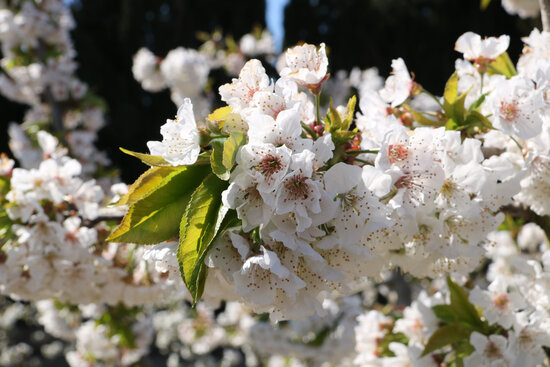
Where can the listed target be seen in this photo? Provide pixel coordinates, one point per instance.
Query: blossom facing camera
(180, 143)
(516, 107)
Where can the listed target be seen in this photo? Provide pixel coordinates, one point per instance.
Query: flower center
(501, 301)
(492, 351)
(397, 153)
(509, 111)
(297, 188)
(405, 181)
(250, 93)
(482, 64)
(269, 165)
(448, 187)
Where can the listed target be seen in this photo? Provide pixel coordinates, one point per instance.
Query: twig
(545, 14)
(98, 220)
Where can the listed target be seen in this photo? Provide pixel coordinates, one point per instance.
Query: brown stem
(545, 14)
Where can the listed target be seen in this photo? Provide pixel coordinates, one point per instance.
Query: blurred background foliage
(361, 33)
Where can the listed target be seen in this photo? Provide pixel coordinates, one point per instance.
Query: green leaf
(228, 121)
(201, 271)
(216, 160)
(466, 312)
(339, 137)
(145, 183)
(334, 121)
(459, 111)
(464, 349)
(445, 313)
(219, 115)
(203, 158)
(423, 120)
(350, 110)
(231, 148)
(451, 125)
(484, 4)
(156, 216)
(475, 118)
(478, 102)
(451, 89)
(446, 335)
(199, 224)
(502, 65)
(453, 103)
(150, 160)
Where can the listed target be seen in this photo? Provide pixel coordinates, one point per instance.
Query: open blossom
(243, 196)
(269, 277)
(285, 96)
(359, 213)
(536, 186)
(411, 161)
(319, 218)
(498, 303)
(267, 164)
(535, 52)
(299, 193)
(489, 351)
(285, 129)
(399, 85)
(516, 107)
(240, 93)
(146, 69)
(306, 64)
(474, 47)
(180, 143)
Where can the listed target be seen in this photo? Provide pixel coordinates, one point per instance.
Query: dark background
(360, 33)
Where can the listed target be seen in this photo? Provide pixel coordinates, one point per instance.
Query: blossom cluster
(38, 64)
(323, 205)
(54, 215)
(315, 233)
(415, 182)
(185, 71)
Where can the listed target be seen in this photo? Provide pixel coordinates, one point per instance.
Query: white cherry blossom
(306, 64)
(240, 93)
(399, 85)
(180, 143)
(516, 107)
(474, 47)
